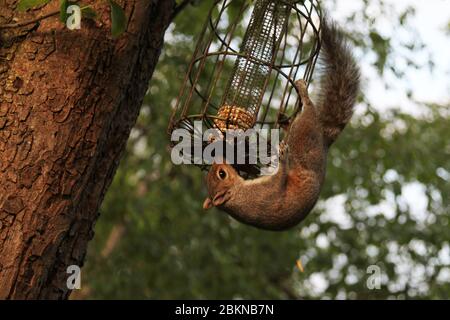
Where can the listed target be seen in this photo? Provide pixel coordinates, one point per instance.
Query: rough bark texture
(68, 100)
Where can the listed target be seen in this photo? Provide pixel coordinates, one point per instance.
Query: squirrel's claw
(219, 199)
(300, 83)
(283, 149)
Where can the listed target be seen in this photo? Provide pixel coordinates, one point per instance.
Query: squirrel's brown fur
(281, 201)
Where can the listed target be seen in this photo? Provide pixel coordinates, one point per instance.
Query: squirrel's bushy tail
(339, 83)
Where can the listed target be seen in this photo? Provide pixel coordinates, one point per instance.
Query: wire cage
(246, 61)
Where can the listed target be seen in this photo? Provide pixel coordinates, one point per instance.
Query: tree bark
(68, 100)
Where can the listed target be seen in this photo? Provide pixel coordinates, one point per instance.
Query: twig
(25, 23)
(180, 8)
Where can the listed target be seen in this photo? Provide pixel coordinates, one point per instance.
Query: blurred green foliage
(153, 240)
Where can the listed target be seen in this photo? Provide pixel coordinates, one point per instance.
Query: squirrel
(281, 201)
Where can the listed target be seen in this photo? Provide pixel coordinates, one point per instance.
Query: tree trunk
(68, 100)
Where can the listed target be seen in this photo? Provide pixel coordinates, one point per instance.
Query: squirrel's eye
(222, 174)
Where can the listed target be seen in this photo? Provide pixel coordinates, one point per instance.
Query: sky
(430, 22)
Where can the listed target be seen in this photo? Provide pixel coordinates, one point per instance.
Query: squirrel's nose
(207, 204)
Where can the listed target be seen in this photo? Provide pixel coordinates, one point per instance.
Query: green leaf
(88, 13)
(381, 47)
(63, 5)
(24, 5)
(118, 19)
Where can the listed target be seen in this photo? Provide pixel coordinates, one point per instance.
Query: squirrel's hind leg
(303, 92)
(283, 164)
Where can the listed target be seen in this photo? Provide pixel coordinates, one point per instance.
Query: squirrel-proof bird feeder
(246, 61)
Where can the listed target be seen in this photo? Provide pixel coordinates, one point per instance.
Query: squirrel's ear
(207, 204)
(219, 160)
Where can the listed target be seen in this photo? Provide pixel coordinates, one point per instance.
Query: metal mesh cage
(259, 47)
(245, 63)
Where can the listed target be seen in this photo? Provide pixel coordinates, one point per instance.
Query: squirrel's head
(220, 179)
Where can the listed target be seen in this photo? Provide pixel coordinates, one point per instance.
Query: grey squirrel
(283, 200)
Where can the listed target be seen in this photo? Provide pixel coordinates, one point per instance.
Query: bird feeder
(245, 64)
